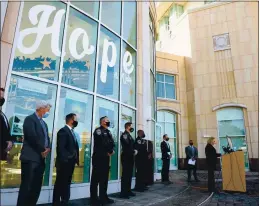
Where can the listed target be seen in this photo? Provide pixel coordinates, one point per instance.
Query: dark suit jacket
(211, 156)
(34, 139)
(165, 149)
(5, 135)
(67, 147)
(188, 151)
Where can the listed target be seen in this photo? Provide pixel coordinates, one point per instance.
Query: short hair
(165, 135)
(69, 117)
(2, 89)
(102, 118)
(210, 140)
(42, 104)
(139, 131)
(128, 124)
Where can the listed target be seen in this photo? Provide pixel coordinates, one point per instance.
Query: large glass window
(108, 64)
(90, 7)
(109, 109)
(231, 123)
(22, 96)
(129, 24)
(32, 56)
(128, 71)
(165, 86)
(111, 15)
(167, 121)
(79, 61)
(81, 104)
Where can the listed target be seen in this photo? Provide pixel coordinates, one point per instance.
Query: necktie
(75, 138)
(192, 149)
(45, 133)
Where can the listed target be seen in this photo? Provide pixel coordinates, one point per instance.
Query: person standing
(166, 157)
(6, 138)
(36, 147)
(211, 158)
(67, 157)
(103, 149)
(127, 159)
(192, 153)
(140, 160)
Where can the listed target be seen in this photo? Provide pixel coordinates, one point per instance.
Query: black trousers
(31, 182)
(100, 172)
(127, 173)
(165, 170)
(211, 180)
(140, 174)
(61, 192)
(194, 169)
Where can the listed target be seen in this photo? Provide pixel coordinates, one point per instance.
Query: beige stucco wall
(175, 65)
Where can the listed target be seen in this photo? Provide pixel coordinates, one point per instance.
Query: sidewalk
(181, 193)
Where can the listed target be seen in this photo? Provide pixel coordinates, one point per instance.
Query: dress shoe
(197, 180)
(123, 196)
(131, 194)
(109, 201)
(139, 190)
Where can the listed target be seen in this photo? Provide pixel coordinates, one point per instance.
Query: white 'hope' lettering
(41, 29)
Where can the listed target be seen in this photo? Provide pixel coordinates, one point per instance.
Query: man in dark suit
(6, 139)
(36, 146)
(191, 153)
(166, 157)
(67, 157)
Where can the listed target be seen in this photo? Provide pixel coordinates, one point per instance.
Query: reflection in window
(128, 80)
(21, 100)
(167, 121)
(111, 15)
(42, 62)
(108, 77)
(81, 104)
(109, 109)
(231, 123)
(79, 69)
(165, 86)
(90, 7)
(129, 24)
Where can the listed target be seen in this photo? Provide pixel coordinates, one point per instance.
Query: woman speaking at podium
(211, 158)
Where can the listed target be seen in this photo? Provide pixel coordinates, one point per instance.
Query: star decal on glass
(87, 64)
(46, 63)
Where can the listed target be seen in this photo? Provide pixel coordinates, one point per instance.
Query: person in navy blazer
(166, 157)
(191, 153)
(36, 147)
(67, 157)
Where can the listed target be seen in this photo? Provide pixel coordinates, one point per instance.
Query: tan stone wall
(7, 38)
(174, 65)
(229, 76)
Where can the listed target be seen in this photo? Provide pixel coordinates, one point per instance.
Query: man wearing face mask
(127, 159)
(36, 147)
(140, 161)
(191, 153)
(67, 157)
(103, 149)
(166, 157)
(6, 138)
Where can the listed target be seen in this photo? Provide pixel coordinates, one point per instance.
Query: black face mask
(132, 129)
(108, 124)
(167, 139)
(2, 101)
(191, 143)
(75, 123)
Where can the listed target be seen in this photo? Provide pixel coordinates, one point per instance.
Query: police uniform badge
(125, 136)
(139, 141)
(98, 131)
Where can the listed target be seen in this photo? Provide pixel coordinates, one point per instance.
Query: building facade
(207, 77)
(89, 58)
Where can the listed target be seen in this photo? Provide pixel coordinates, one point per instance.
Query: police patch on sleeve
(98, 131)
(125, 136)
(139, 141)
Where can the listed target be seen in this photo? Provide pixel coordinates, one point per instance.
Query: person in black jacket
(166, 157)
(6, 138)
(127, 159)
(67, 157)
(211, 158)
(36, 147)
(104, 147)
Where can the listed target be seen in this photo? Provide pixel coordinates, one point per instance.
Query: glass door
(158, 154)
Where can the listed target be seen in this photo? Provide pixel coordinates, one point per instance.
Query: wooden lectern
(233, 172)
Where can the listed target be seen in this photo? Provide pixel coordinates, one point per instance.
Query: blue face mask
(46, 115)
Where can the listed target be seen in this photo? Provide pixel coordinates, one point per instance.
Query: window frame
(164, 86)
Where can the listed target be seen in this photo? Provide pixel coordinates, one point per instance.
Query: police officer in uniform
(140, 161)
(127, 159)
(103, 149)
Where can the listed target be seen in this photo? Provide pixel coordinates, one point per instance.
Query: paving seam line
(170, 197)
(206, 200)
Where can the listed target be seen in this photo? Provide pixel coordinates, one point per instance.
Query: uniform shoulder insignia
(98, 131)
(125, 136)
(139, 141)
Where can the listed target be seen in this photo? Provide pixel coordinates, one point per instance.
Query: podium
(233, 172)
